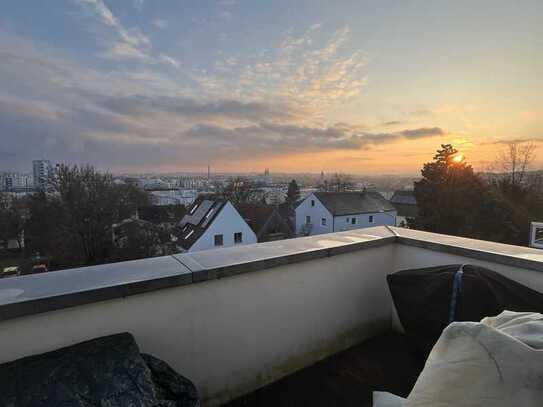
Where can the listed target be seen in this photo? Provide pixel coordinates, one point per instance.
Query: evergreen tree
(293, 193)
(449, 195)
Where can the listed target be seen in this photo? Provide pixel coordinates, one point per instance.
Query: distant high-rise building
(43, 173)
(10, 181)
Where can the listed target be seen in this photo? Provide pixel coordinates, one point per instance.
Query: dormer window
(189, 234)
(208, 214)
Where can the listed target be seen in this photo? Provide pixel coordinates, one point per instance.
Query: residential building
(266, 221)
(406, 205)
(43, 173)
(536, 235)
(326, 212)
(213, 223)
(15, 181)
(275, 195)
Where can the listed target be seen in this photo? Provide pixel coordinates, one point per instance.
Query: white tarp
(496, 363)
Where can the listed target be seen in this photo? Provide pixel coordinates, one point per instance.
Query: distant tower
(208, 172)
(267, 172)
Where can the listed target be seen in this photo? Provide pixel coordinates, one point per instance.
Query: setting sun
(458, 158)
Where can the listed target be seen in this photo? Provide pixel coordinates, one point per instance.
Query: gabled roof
(403, 197)
(256, 215)
(350, 203)
(287, 210)
(198, 218)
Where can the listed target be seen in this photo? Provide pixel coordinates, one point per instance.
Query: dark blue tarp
(428, 299)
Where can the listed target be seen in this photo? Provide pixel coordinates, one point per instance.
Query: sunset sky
(366, 87)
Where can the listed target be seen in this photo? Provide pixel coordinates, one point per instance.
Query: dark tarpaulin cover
(423, 299)
(103, 372)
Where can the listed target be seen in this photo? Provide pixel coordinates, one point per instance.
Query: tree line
(71, 222)
(497, 206)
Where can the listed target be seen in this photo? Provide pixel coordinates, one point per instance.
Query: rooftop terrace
(236, 320)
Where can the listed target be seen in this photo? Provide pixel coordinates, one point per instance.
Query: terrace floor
(344, 379)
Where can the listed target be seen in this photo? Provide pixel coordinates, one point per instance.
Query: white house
(326, 212)
(211, 224)
(406, 204)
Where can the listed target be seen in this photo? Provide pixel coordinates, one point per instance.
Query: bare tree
(241, 191)
(515, 160)
(338, 183)
(12, 220)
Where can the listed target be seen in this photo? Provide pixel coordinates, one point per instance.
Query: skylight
(193, 209)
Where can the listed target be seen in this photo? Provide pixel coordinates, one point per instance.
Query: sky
(363, 87)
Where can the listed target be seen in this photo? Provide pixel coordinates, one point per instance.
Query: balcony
(239, 319)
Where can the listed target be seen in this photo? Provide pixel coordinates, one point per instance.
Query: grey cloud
(290, 138)
(136, 105)
(517, 140)
(392, 123)
(366, 138)
(59, 110)
(106, 138)
(422, 132)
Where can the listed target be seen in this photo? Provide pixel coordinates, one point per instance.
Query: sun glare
(458, 158)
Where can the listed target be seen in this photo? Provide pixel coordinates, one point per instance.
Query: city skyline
(297, 87)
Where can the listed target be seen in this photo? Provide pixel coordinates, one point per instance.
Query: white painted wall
(336, 223)
(363, 220)
(235, 334)
(406, 257)
(232, 335)
(316, 212)
(227, 222)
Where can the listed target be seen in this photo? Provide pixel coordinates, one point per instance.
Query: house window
(312, 202)
(308, 219)
(323, 222)
(348, 220)
(353, 221)
(370, 218)
(218, 240)
(238, 237)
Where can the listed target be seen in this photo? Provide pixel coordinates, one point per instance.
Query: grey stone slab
(517, 256)
(226, 262)
(32, 294)
(60, 289)
(188, 261)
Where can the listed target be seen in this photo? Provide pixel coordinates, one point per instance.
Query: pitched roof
(256, 215)
(198, 218)
(348, 203)
(403, 197)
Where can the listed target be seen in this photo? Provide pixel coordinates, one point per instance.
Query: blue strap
(457, 289)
